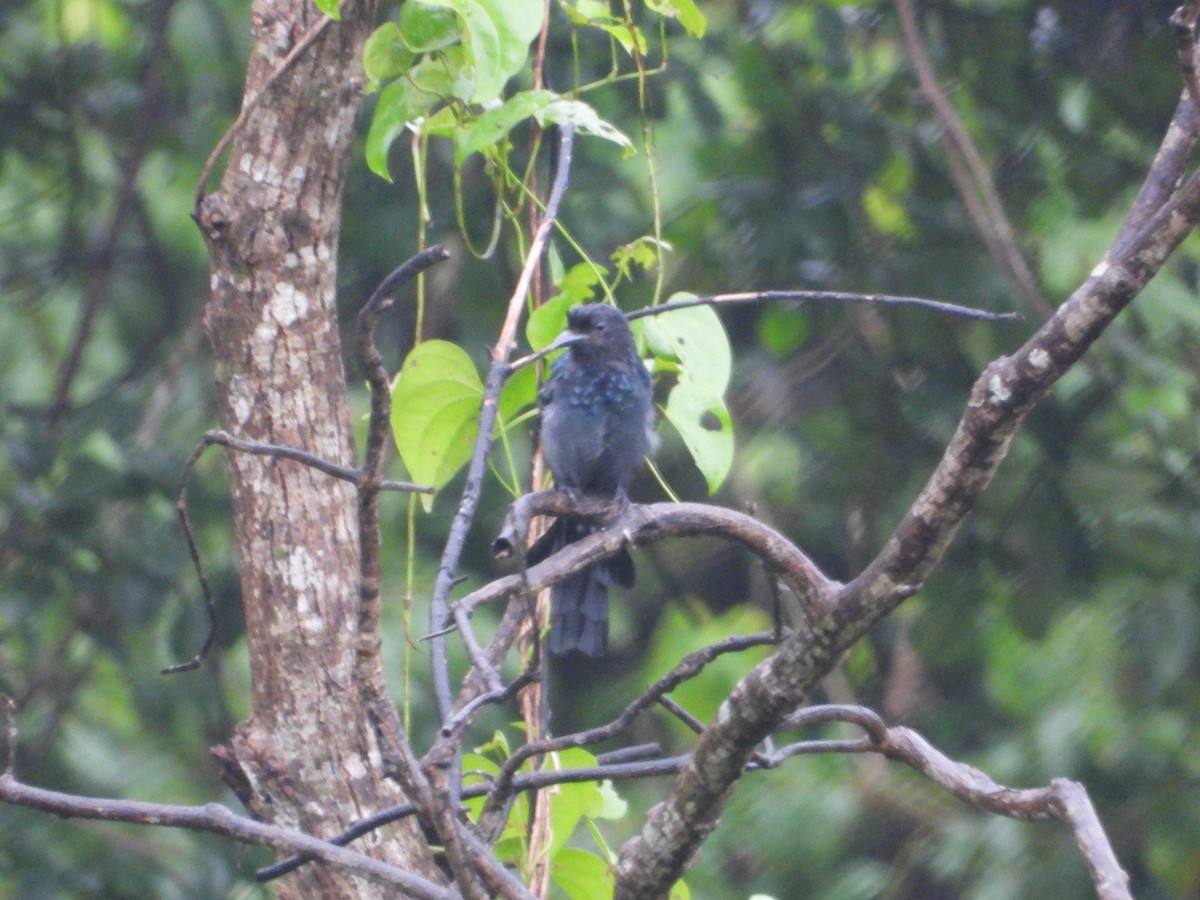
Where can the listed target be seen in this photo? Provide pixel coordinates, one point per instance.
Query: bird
(597, 427)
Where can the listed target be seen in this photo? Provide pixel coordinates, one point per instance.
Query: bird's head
(596, 330)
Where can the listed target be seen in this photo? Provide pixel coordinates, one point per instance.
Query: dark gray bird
(597, 425)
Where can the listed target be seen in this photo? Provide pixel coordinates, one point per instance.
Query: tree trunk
(307, 756)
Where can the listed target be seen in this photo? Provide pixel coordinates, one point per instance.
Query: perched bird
(597, 425)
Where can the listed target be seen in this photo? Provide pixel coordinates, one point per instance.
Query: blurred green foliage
(1061, 637)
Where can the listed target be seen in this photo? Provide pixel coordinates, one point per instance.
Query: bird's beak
(565, 339)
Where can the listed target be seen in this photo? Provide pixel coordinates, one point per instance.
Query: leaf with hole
(698, 413)
(695, 338)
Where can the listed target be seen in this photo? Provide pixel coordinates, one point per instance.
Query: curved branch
(216, 819)
(1002, 397)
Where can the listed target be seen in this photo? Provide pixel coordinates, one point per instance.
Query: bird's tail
(579, 603)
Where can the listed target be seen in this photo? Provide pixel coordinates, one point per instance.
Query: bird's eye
(600, 326)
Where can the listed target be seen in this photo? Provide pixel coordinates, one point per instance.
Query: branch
(970, 173)
(1064, 800)
(613, 771)
(1001, 399)
(826, 297)
(491, 820)
(1184, 20)
(646, 524)
(217, 819)
(439, 607)
(358, 477)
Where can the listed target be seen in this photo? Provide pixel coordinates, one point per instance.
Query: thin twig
(616, 770)
(1002, 397)
(442, 761)
(217, 819)
(465, 515)
(459, 721)
(826, 297)
(688, 667)
(189, 539)
(970, 173)
(357, 477)
(400, 762)
(10, 721)
(140, 142)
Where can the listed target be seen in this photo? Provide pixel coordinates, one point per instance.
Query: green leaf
(607, 804)
(581, 875)
(699, 415)
(641, 251)
(444, 75)
(517, 22)
(435, 412)
(628, 37)
(685, 11)
(696, 339)
(518, 393)
(579, 282)
(782, 331)
(887, 213)
(425, 28)
(491, 127)
(385, 56)
(331, 8)
(442, 123)
(482, 42)
(583, 12)
(680, 891)
(585, 119)
(547, 321)
(572, 802)
(397, 104)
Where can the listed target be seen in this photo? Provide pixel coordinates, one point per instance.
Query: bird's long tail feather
(579, 603)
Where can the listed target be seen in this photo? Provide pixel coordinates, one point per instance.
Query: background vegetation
(792, 149)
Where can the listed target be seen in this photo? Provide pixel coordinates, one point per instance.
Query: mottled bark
(307, 757)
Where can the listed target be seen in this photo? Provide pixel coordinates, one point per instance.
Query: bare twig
(612, 766)
(10, 722)
(442, 761)
(825, 297)
(217, 819)
(688, 667)
(463, 716)
(95, 289)
(189, 538)
(644, 524)
(970, 173)
(1063, 800)
(439, 607)
(400, 761)
(358, 477)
